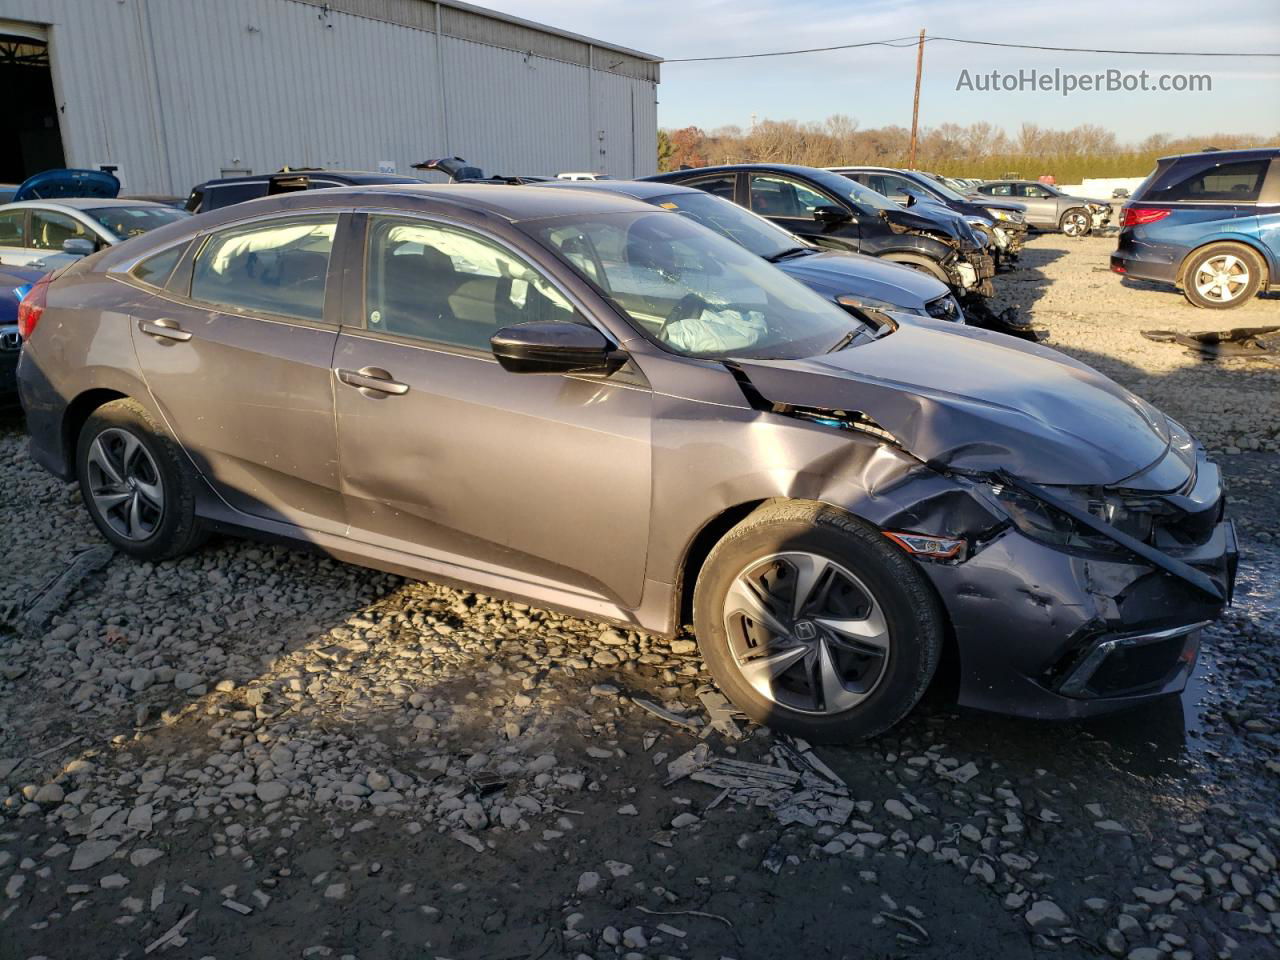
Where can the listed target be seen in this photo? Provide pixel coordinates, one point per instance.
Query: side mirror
(542, 347)
(831, 215)
(77, 246)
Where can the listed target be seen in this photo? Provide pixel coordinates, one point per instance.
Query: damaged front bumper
(1050, 632)
(1049, 635)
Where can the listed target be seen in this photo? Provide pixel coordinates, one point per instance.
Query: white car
(580, 175)
(47, 234)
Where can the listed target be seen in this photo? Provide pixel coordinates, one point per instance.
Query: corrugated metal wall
(178, 91)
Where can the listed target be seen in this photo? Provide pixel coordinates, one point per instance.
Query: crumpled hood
(835, 274)
(981, 401)
(930, 217)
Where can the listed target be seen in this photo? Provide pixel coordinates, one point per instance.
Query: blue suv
(1209, 223)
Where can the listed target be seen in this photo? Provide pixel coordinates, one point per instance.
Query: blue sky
(874, 85)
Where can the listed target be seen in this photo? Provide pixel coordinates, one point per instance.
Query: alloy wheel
(1222, 278)
(1075, 225)
(124, 484)
(806, 633)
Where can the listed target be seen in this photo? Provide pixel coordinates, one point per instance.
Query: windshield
(843, 186)
(732, 221)
(941, 187)
(693, 291)
(130, 221)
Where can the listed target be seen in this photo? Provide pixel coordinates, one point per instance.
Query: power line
(896, 41)
(901, 42)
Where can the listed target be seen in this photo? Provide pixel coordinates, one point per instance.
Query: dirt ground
(258, 752)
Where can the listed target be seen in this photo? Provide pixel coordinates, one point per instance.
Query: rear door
(237, 353)
(449, 457)
(15, 251)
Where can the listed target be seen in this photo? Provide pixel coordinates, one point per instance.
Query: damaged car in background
(1005, 223)
(837, 213)
(830, 498)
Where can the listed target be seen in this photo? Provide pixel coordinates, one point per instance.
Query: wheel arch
(1252, 244)
(78, 412)
(714, 529)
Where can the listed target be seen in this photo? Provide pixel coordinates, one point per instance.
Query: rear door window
(722, 185)
(1202, 179)
(12, 228)
(278, 267)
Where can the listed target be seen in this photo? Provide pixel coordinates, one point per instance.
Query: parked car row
(829, 492)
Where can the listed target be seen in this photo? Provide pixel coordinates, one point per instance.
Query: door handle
(168, 329)
(373, 378)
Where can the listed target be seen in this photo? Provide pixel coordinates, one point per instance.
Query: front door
(444, 454)
(238, 356)
(792, 205)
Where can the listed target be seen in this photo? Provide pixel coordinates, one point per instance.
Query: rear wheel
(1221, 276)
(136, 483)
(813, 623)
(1076, 222)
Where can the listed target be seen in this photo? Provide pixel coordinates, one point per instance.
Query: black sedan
(838, 213)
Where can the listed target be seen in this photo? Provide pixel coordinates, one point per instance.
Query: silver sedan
(46, 234)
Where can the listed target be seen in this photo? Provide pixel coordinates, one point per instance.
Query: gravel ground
(256, 751)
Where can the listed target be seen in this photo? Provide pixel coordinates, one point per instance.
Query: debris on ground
(797, 787)
(689, 723)
(1239, 342)
(723, 715)
(48, 600)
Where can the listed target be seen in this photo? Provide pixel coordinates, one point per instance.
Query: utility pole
(915, 107)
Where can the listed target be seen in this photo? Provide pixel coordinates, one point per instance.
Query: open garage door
(28, 110)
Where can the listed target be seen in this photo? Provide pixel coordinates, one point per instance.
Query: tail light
(1136, 217)
(31, 307)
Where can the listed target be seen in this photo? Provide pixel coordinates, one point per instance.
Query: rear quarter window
(1204, 180)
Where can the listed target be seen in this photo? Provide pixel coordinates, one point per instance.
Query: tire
(137, 484)
(922, 264)
(1076, 222)
(862, 579)
(1222, 276)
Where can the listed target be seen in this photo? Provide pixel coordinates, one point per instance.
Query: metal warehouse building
(174, 92)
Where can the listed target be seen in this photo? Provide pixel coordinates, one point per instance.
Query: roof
(355, 176)
(1248, 153)
(640, 189)
(511, 202)
(83, 203)
(543, 28)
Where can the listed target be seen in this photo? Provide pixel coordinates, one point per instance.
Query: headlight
(1039, 521)
(998, 214)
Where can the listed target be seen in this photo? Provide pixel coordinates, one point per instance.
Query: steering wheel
(690, 305)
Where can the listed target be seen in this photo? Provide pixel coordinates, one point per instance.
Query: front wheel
(812, 622)
(923, 264)
(1221, 276)
(1075, 223)
(136, 483)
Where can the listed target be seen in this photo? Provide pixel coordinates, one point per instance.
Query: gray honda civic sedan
(589, 403)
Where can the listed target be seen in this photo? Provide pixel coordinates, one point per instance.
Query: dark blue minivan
(1208, 223)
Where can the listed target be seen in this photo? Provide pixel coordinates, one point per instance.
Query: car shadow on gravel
(1023, 286)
